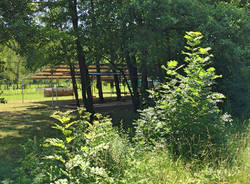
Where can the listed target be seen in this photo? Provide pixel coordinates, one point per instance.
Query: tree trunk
(99, 82)
(85, 80)
(98, 77)
(73, 77)
(131, 63)
(117, 87)
(144, 76)
(18, 73)
(116, 79)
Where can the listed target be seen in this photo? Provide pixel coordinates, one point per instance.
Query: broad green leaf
(172, 64)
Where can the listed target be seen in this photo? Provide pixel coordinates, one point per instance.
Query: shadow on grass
(15, 129)
(119, 111)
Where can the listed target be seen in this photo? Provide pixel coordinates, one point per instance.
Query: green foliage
(186, 116)
(226, 30)
(14, 69)
(16, 21)
(150, 30)
(85, 153)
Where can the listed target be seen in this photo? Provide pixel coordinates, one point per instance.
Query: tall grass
(158, 166)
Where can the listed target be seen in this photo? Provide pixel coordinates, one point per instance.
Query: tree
(14, 62)
(227, 32)
(85, 80)
(16, 21)
(55, 26)
(225, 27)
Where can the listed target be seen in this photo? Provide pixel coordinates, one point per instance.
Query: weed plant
(86, 152)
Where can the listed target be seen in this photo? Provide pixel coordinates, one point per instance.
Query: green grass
(157, 167)
(147, 167)
(15, 128)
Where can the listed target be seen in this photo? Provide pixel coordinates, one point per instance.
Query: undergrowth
(104, 156)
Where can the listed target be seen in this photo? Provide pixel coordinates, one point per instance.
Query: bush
(85, 153)
(186, 116)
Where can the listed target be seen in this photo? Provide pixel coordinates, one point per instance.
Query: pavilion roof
(63, 72)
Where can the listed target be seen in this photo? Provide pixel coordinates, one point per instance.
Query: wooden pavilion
(64, 72)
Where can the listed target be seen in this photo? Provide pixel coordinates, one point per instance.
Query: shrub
(85, 153)
(186, 116)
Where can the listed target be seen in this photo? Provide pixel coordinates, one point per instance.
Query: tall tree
(58, 21)
(85, 80)
(227, 31)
